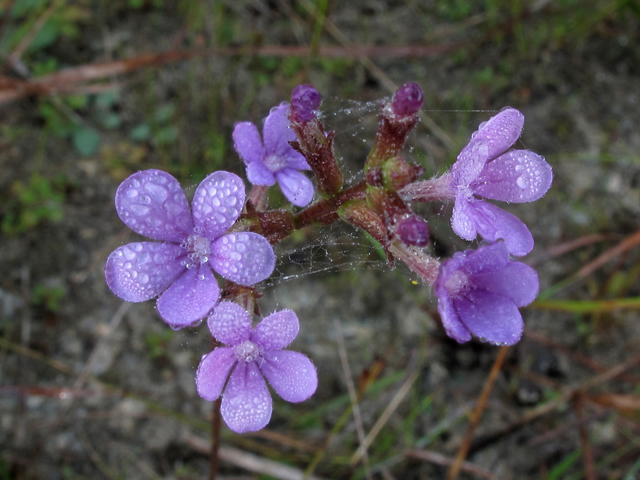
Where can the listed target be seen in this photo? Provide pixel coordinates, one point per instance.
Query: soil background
(91, 387)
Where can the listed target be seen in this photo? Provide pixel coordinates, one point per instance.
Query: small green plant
(48, 296)
(157, 343)
(39, 200)
(161, 130)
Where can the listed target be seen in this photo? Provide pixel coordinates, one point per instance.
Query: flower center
(456, 283)
(247, 351)
(199, 249)
(275, 162)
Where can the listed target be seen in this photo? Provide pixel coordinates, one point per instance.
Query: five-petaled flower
(153, 204)
(484, 169)
(250, 355)
(479, 293)
(276, 160)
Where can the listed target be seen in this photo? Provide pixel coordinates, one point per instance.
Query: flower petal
(291, 374)
(213, 372)
(470, 163)
(487, 258)
(277, 131)
(516, 281)
(451, 322)
(247, 142)
(296, 186)
(490, 317)
(230, 323)
(246, 403)
(493, 223)
(462, 221)
(259, 174)
(190, 298)
(217, 203)
(152, 203)
(276, 331)
(140, 271)
(518, 176)
(245, 258)
(500, 131)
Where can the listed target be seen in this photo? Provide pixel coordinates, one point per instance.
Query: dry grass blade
(249, 461)
(384, 418)
(440, 459)
(69, 79)
(477, 413)
(563, 398)
(587, 453)
(566, 247)
(353, 396)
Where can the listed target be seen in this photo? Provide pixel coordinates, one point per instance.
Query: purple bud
(304, 101)
(413, 230)
(407, 100)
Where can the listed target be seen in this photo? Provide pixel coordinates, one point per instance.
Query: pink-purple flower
(484, 169)
(276, 160)
(194, 244)
(251, 355)
(479, 293)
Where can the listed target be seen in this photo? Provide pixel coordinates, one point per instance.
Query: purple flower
(276, 160)
(484, 169)
(479, 293)
(250, 355)
(153, 204)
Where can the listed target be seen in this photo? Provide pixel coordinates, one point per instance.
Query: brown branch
(477, 413)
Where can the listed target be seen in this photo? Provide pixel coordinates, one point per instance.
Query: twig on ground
(353, 396)
(587, 452)
(440, 459)
(477, 413)
(249, 461)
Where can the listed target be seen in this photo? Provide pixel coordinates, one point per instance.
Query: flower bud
(412, 230)
(304, 101)
(407, 100)
(397, 173)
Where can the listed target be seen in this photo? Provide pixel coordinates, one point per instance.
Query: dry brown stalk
(477, 413)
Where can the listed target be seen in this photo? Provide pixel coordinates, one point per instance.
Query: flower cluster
(479, 291)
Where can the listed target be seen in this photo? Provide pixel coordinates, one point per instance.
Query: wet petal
(213, 372)
(487, 258)
(245, 258)
(190, 298)
(297, 188)
(291, 374)
(451, 321)
(516, 281)
(470, 163)
(462, 221)
(217, 203)
(501, 131)
(152, 203)
(518, 176)
(490, 317)
(230, 323)
(247, 142)
(493, 223)
(277, 131)
(140, 271)
(246, 402)
(276, 331)
(259, 174)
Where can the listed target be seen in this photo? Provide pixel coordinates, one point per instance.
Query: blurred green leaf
(165, 112)
(107, 99)
(110, 120)
(166, 135)
(46, 36)
(23, 7)
(86, 140)
(140, 132)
